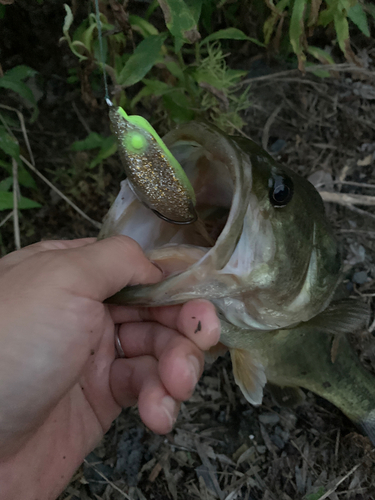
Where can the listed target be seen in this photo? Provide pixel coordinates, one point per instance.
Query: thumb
(106, 266)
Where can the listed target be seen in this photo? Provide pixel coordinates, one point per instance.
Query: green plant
(305, 16)
(202, 86)
(9, 153)
(106, 146)
(315, 496)
(13, 80)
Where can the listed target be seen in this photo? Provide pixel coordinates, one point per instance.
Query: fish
(262, 251)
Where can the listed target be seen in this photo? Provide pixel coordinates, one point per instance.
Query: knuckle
(126, 244)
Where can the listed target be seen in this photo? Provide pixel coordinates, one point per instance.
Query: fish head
(262, 250)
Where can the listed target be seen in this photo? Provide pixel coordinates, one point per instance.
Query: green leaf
(315, 496)
(139, 64)
(68, 20)
(157, 87)
(108, 148)
(321, 55)
(268, 27)
(178, 43)
(20, 72)
(175, 69)
(92, 141)
(358, 16)
(6, 202)
(227, 34)
(180, 20)
(2, 11)
(24, 177)
(142, 26)
(67, 23)
(326, 15)
(6, 184)
(22, 89)
(178, 106)
(270, 23)
(320, 73)
(195, 7)
(342, 30)
(257, 42)
(297, 29)
(8, 144)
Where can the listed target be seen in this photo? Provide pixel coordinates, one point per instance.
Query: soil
(221, 447)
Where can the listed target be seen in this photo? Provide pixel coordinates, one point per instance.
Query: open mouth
(177, 247)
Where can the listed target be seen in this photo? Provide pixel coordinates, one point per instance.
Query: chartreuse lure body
(155, 175)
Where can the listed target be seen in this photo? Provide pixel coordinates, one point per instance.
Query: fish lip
(225, 149)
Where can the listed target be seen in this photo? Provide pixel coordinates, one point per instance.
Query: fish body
(315, 355)
(263, 252)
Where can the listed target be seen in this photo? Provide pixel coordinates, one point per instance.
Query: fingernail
(195, 368)
(169, 405)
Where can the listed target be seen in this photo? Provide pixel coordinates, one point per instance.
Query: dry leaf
(365, 161)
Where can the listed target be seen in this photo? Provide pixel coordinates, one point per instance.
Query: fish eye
(281, 190)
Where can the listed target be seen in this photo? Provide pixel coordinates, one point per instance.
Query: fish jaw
(201, 278)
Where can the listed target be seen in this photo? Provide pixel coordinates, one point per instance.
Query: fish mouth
(212, 163)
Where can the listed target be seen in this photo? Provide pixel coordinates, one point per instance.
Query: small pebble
(269, 418)
(360, 277)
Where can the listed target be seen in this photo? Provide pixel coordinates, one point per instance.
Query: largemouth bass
(263, 252)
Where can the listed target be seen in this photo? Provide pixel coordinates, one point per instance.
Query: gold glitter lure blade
(155, 175)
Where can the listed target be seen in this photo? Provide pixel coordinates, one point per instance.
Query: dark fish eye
(281, 190)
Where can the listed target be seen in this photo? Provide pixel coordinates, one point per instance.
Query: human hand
(61, 385)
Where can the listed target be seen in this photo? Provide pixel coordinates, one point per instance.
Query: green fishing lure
(155, 175)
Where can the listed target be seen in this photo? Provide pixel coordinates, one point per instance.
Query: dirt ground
(221, 446)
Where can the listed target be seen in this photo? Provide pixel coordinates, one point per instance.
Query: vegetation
(172, 58)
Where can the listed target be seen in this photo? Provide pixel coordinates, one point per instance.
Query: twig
(237, 129)
(371, 234)
(346, 68)
(267, 126)
(107, 480)
(346, 183)
(16, 226)
(73, 205)
(23, 127)
(80, 118)
(332, 490)
(304, 458)
(360, 211)
(210, 470)
(6, 219)
(347, 199)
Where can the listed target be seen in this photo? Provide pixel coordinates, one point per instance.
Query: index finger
(196, 319)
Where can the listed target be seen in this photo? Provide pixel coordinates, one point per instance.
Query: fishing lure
(154, 174)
